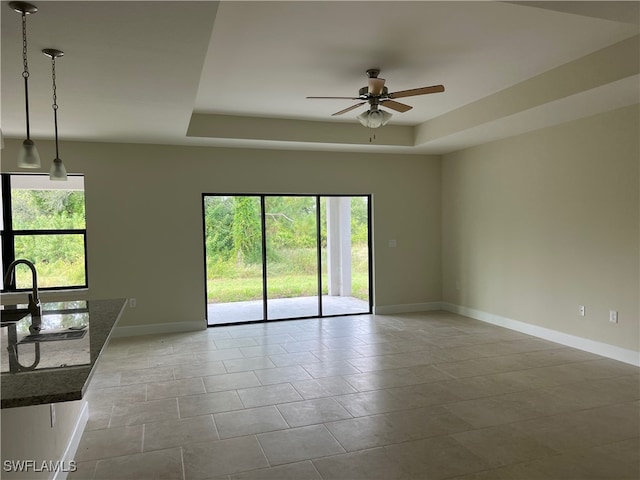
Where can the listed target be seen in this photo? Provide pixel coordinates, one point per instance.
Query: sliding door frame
(263, 226)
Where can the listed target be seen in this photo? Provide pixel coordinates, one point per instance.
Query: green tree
(246, 230)
(359, 220)
(218, 217)
(59, 258)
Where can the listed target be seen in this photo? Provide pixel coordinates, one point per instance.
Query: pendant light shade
(28, 156)
(57, 172)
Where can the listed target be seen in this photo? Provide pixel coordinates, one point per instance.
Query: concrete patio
(283, 308)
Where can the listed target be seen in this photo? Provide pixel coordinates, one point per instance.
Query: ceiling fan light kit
(374, 118)
(376, 94)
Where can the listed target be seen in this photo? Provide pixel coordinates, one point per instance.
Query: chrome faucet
(34, 301)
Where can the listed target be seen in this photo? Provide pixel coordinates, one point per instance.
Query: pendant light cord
(55, 101)
(25, 72)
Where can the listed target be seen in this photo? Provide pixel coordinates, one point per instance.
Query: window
(44, 222)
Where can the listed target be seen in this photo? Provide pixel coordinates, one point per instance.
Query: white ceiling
(237, 73)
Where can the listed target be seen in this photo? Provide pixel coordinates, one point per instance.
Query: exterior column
(339, 245)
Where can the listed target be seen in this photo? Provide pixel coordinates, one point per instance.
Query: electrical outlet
(613, 316)
(133, 303)
(581, 310)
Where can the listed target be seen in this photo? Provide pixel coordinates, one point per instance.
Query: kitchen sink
(53, 336)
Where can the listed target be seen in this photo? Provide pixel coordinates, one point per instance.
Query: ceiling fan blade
(397, 106)
(348, 109)
(417, 91)
(376, 85)
(339, 98)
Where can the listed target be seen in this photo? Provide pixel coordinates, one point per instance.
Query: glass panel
(292, 257)
(323, 251)
(345, 255)
(233, 246)
(58, 258)
(360, 249)
(37, 203)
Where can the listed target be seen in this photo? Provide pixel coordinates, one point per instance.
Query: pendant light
(58, 172)
(28, 156)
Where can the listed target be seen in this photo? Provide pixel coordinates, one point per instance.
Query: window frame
(8, 236)
(265, 298)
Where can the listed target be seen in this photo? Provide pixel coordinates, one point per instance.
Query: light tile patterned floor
(416, 396)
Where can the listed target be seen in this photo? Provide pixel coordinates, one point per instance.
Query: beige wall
(144, 216)
(537, 224)
(532, 226)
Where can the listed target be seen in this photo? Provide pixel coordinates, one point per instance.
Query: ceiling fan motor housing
(364, 92)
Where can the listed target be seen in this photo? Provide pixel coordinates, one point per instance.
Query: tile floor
(416, 396)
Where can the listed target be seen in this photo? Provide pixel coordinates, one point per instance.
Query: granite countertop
(53, 367)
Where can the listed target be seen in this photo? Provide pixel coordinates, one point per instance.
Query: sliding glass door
(234, 258)
(274, 257)
(292, 257)
(345, 254)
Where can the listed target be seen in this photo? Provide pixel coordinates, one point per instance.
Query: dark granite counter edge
(69, 383)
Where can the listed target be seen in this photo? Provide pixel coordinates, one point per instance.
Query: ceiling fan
(376, 95)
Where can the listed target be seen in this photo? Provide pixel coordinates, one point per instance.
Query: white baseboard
(406, 308)
(599, 348)
(155, 328)
(74, 441)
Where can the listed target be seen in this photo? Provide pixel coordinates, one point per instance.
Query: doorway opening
(275, 257)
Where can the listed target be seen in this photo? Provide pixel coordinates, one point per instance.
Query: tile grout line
(261, 449)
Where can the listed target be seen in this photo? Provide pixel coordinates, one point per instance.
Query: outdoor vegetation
(233, 242)
(59, 258)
